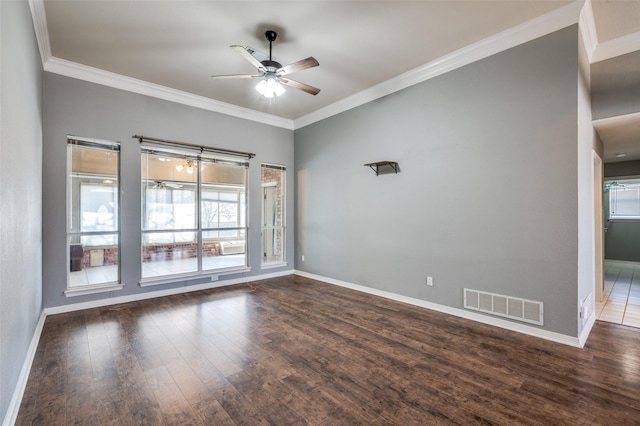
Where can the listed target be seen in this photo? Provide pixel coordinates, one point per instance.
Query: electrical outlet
(429, 281)
(303, 257)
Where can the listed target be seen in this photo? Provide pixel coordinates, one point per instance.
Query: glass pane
(168, 192)
(93, 208)
(93, 263)
(273, 240)
(223, 197)
(167, 208)
(169, 253)
(223, 252)
(271, 207)
(272, 214)
(93, 189)
(98, 206)
(167, 169)
(273, 196)
(626, 202)
(223, 175)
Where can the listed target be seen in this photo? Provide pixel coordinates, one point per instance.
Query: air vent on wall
(505, 306)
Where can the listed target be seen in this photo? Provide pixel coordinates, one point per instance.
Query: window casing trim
(93, 289)
(106, 146)
(265, 263)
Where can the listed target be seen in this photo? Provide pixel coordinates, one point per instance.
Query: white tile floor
(109, 274)
(621, 302)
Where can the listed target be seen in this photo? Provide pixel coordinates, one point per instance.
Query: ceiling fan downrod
(271, 37)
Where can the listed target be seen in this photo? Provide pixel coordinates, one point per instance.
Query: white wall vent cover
(504, 306)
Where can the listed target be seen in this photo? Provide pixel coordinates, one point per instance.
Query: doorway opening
(618, 282)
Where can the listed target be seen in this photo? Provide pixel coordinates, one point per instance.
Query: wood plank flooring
(293, 351)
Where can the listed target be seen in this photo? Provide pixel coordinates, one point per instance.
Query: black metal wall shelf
(379, 166)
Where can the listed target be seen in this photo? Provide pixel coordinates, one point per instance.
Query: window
(624, 199)
(193, 214)
(93, 228)
(273, 181)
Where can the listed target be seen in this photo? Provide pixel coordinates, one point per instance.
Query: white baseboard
(160, 293)
(18, 392)
(582, 339)
(485, 319)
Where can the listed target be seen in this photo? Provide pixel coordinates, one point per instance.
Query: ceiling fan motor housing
(271, 66)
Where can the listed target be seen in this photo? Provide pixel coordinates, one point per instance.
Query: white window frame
(108, 146)
(199, 230)
(264, 263)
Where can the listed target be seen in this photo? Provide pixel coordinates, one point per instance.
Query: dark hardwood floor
(293, 351)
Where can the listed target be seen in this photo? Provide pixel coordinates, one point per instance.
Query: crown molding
(118, 81)
(577, 11)
(39, 17)
(616, 47)
(527, 31)
(587, 25)
(106, 78)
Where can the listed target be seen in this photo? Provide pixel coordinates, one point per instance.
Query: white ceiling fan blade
(260, 56)
(245, 54)
(300, 65)
(174, 185)
(236, 76)
(300, 86)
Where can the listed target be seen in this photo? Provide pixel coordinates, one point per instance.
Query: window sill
(624, 219)
(271, 265)
(170, 279)
(93, 289)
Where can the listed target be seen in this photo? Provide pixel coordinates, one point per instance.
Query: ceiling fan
(163, 185)
(272, 72)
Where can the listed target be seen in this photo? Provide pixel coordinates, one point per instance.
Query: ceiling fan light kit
(180, 167)
(272, 73)
(270, 87)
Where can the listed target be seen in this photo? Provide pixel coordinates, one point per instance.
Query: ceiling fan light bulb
(261, 87)
(271, 88)
(189, 169)
(279, 89)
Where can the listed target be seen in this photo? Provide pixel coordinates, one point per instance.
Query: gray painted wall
(616, 86)
(487, 196)
(622, 239)
(86, 109)
(20, 186)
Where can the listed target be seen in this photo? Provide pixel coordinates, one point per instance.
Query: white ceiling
(179, 44)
